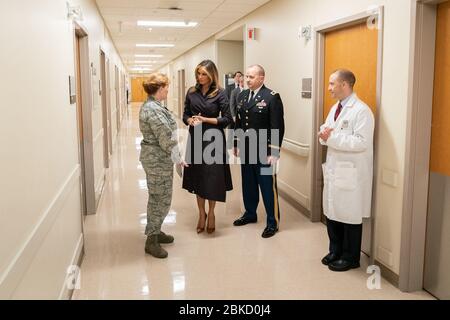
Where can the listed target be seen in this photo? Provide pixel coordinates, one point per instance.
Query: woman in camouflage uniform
(159, 151)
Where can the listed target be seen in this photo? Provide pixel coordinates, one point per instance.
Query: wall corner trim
(20, 263)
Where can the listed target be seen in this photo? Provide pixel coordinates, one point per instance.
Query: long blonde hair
(213, 75)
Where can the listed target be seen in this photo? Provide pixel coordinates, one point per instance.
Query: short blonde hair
(154, 82)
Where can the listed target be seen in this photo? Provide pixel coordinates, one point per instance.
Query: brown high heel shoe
(211, 229)
(201, 228)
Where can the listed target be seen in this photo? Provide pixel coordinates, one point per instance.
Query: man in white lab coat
(348, 171)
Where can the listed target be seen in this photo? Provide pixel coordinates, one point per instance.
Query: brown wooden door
(440, 146)
(108, 105)
(437, 253)
(181, 92)
(80, 124)
(117, 91)
(137, 90)
(84, 118)
(104, 110)
(354, 48)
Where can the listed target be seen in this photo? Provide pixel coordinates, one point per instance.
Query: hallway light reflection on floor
(171, 218)
(145, 291)
(179, 282)
(142, 184)
(138, 143)
(143, 219)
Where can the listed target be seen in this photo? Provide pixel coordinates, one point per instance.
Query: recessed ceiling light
(152, 45)
(140, 69)
(143, 61)
(174, 24)
(148, 55)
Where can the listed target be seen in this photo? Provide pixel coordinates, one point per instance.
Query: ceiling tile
(121, 18)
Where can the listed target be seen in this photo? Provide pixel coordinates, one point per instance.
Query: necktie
(338, 111)
(251, 96)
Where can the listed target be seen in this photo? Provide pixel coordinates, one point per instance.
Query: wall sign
(251, 33)
(72, 90)
(307, 88)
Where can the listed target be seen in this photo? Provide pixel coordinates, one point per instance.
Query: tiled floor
(233, 263)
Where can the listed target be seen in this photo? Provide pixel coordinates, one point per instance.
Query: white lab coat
(348, 171)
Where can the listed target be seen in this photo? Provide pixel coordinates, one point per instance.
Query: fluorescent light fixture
(174, 24)
(152, 45)
(140, 69)
(148, 55)
(143, 61)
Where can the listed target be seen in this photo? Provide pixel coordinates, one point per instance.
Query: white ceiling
(121, 18)
(235, 35)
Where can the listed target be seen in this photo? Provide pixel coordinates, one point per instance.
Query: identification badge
(345, 124)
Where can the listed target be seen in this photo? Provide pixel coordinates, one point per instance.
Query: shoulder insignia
(273, 93)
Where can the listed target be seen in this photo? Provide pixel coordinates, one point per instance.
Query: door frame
(418, 143)
(318, 89)
(117, 90)
(106, 156)
(85, 106)
(108, 104)
(181, 74)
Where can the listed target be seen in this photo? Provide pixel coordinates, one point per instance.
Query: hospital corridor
(231, 264)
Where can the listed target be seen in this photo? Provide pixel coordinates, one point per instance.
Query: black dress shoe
(269, 232)
(242, 221)
(329, 258)
(343, 265)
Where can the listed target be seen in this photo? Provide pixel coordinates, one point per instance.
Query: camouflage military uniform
(157, 150)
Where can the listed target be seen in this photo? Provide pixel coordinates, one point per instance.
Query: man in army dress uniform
(259, 132)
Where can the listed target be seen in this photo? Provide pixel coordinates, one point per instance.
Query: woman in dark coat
(207, 113)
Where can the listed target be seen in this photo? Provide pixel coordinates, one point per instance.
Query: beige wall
(230, 58)
(288, 59)
(40, 219)
(189, 62)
